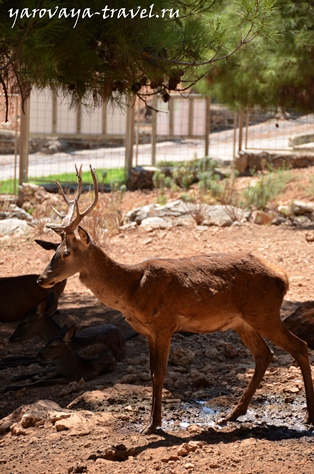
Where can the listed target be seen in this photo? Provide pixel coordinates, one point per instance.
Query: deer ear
(84, 235)
(69, 334)
(46, 304)
(42, 307)
(47, 245)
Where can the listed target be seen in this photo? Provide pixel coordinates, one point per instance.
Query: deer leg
(262, 356)
(46, 382)
(287, 341)
(159, 347)
(18, 378)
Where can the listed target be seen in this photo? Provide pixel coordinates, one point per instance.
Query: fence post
(54, 112)
(191, 117)
(207, 125)
(247, 120)
(24, 142)
(78, 118)
(154, 129)
(129, 138)
(235, 120)
(241, 125)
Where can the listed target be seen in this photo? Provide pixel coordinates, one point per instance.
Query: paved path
(271, 135)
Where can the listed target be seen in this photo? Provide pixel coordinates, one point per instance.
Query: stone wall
(247, 161)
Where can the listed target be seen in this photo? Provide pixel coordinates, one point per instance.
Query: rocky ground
(95, 426)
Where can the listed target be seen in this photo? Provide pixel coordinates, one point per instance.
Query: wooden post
(129, 138)
(154, 130)
(207, 126)
(235, 133)
(191, 117)
(247, 120)
(24, 142)
(78, 118)
(241, 125)
(54, 112)
(15, 142)
(138, 105)
(171, 118)
(104, 119)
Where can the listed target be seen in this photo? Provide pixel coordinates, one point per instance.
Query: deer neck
(109, 280)
(50, 329)
(68, 361)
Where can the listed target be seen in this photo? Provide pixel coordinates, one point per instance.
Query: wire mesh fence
(114, 139)
(9, 145)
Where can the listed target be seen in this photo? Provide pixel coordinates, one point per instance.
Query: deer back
(19, 294)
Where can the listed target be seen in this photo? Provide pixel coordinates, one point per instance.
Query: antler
(68, 226)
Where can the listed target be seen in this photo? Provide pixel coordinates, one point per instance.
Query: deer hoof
(150, 429)
(309, 420)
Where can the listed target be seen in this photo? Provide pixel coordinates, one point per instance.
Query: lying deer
(38, 322)
(20, 294)
(201, 294)
(69, 365)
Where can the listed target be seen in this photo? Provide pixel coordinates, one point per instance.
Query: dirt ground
(95, 426)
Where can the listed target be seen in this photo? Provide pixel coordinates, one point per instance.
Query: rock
(284, 210)
(54, 145)
(72, 387)
(223, 216)
(300, 219)
(241, 163)
(155, 223)
(247, 161)
(200, 380)
(261, 218)
(140, 213)
(177, 212)
(181, 356)
(141, 178)
(309, 236)
(191, 446)
(299, 208)
(279, 220)
(28, 415)
(14, 226)
(175, 209)
(75, 423)
(14, 211)
(230, 351)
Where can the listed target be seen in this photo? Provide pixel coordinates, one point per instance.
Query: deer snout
(44, 283)
(40, 354)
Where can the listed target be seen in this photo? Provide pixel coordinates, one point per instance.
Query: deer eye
(66, 253)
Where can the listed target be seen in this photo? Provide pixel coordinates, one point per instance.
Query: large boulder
(14, 226)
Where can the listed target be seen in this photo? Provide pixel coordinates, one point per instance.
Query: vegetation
(113, 177)
(208, 187)
(276, 70)
(268, 187)
(102, 52)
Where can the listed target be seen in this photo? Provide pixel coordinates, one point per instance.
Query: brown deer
(201, 294)
(69, 365)
(19, 294)
(38, 322)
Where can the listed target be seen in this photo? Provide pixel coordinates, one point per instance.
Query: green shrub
(269, 185)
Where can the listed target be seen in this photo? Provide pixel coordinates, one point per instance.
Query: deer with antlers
(200, 294)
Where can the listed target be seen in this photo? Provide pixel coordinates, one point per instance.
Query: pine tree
(275, 70)
(106, 51)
